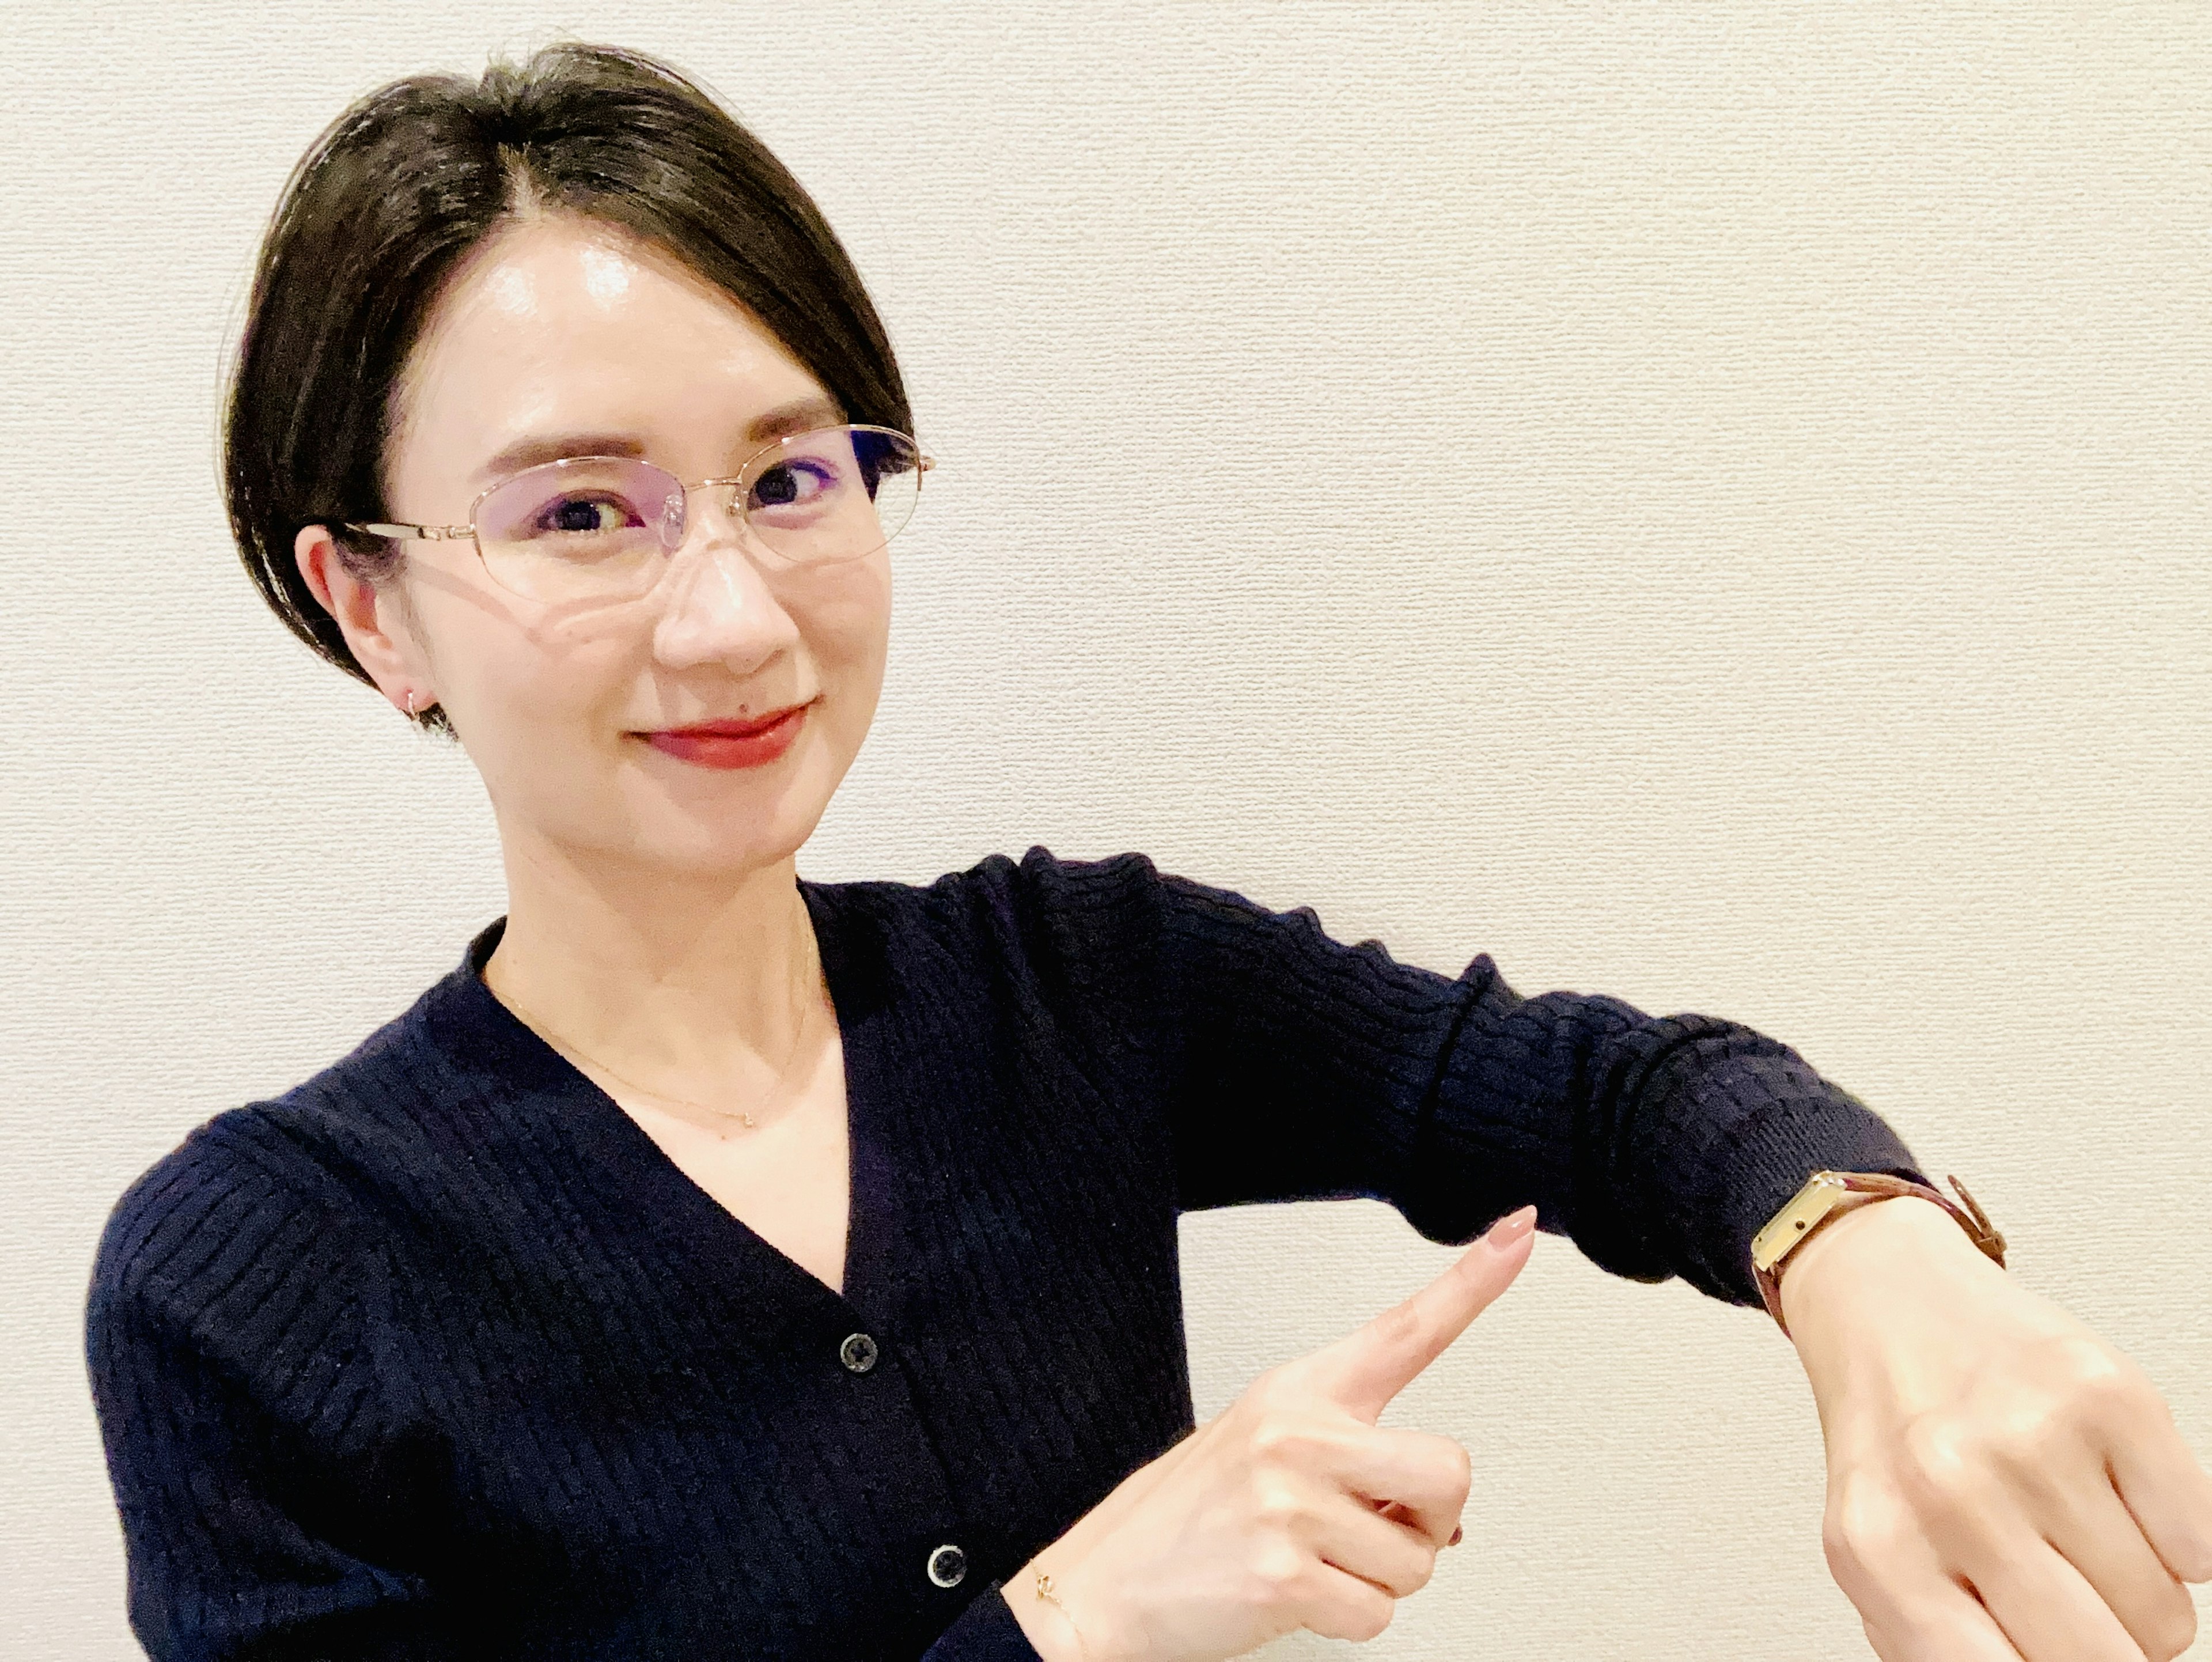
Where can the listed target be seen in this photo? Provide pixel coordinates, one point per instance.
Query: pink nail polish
(1510, 1228)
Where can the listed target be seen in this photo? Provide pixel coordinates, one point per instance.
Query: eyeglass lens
(594, 526)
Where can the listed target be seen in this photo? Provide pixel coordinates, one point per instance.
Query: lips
(733, 744)
(735, 729)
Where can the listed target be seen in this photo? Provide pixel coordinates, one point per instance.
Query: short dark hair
(399, 188)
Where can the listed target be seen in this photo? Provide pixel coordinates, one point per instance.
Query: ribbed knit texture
(437, 1355)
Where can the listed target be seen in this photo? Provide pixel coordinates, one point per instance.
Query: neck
(698, 987)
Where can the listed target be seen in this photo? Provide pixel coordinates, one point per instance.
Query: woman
(719, 1263)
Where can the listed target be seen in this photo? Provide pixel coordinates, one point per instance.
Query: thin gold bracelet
(1044, 1592)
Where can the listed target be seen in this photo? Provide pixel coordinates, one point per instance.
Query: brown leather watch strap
(1864, 1188)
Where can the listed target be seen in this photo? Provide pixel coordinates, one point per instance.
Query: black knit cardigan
(437, 1355)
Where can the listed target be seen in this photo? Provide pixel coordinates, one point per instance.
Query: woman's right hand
(1292, 1509)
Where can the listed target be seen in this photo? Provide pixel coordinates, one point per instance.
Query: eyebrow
(798, 417)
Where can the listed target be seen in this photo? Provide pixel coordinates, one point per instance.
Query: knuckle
(1278, 1573)
(1276, 1503)
(1461, 1468)
(2088, 1360)
(1418, 1575)
(2025, 1452)
(1280, 1437)
(2172, 1628)
(1370, 1615)
(2092, 1382)
(1356, 1611)
(1286, 1385)
(1942, 1464)
(1861, 1529)
(2108, 1388)
(1846, 1553)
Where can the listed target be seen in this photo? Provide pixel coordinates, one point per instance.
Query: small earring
(410, 704)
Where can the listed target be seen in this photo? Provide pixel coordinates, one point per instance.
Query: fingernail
(1510, 1228)
(1459, 1534)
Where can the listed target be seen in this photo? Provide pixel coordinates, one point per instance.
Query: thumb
(1363, 1371)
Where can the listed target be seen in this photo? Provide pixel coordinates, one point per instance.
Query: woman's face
(563, 335)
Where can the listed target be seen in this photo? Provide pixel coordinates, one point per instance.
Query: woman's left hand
(2003, 1486)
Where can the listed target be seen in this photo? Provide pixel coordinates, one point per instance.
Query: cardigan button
(947, 1565)
(858, 1353)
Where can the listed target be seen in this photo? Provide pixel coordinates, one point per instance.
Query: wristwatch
(1826, 1196)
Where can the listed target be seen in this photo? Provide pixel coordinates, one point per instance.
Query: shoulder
(272, 1191)
(1040, 909)
(1042, 943)
(1001, 884)
(1084, 920)
(227, 1261)
(195, 1232)
(235, 1279)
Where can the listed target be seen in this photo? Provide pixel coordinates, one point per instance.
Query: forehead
(557, 323)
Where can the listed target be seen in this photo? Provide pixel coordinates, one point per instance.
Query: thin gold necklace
(797, 1042)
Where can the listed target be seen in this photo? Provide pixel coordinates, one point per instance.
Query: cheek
(513, 684)
(847, 621)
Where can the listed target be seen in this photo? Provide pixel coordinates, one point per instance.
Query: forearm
(1659, 1145)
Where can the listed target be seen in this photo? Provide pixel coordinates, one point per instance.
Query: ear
(373, 618)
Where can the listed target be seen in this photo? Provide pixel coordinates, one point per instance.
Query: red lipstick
(753, 744)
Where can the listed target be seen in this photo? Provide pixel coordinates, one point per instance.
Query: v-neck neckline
(661, 1196)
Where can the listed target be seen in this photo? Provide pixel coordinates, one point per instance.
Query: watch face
(1796, 1219)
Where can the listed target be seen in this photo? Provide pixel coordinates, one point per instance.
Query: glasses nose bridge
(723, 489)
(738, 537)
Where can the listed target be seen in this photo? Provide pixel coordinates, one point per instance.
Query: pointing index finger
(1363, 1371)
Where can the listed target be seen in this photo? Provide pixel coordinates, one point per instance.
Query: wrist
(1876, 1250)
(1046, 1612)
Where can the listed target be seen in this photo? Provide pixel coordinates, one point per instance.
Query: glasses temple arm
(436, 534)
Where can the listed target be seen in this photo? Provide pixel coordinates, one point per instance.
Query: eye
(796, 484)
(583, 514)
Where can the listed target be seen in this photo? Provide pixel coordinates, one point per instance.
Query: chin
(746, 832)
(688, 823)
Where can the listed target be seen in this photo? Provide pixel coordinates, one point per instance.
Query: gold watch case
(1796, 1219)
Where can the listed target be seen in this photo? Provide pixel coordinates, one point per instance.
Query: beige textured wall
(1707, 504)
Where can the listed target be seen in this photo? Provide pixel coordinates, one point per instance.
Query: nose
(717, 606)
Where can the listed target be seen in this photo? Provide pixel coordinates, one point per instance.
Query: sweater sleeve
(1295, 1067)
(230, 1364)
(985, 1632)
